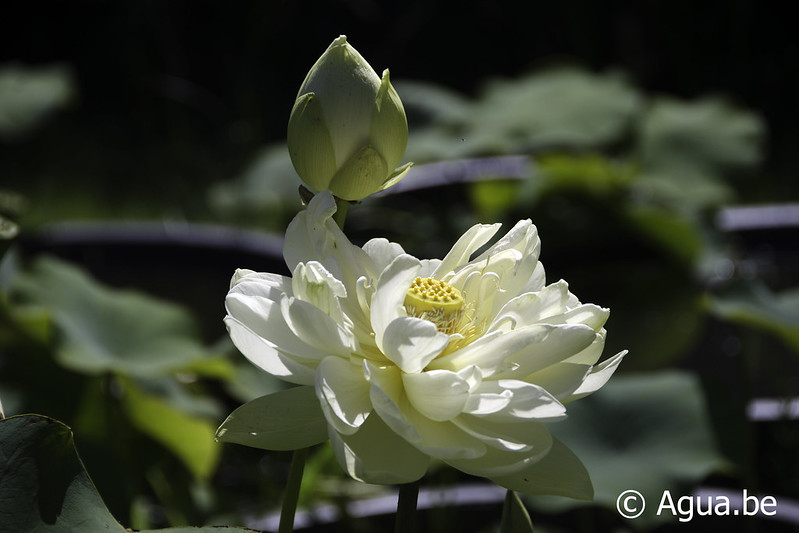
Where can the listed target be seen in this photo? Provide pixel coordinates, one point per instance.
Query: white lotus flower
(462, 360)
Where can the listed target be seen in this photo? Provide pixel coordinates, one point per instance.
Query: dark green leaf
(44, 486)
(648, 433)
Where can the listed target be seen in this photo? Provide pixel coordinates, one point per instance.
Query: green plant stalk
(406, 507)
(342, 206)
(292, 494)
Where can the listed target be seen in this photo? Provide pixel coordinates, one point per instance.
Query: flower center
(436, 301)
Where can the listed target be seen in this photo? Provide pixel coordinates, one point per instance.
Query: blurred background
(142, 160)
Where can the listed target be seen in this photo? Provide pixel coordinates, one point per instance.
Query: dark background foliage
(172, 96)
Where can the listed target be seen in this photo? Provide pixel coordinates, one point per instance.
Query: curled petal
(389, 296)
(266, 356)
(311, 324)
(599, 375)
(262, 317)
(474, 238)
(438, 394)
(511, 448)
(411, 343)
(375, 454)
(343, 393)
(438, 439)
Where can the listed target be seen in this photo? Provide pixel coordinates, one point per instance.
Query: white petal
(558, 472)
(438, 439)
(561, 379)
(598, 377)
(411, 343)
(375, 454)
(526, 401)
(438, 394)
(474, 238)
(343, 393)
(392, 286)
(532, 439)
(261, 284)
(590, 355)
(382, 252)
(244, 276)
(312, 283)
(522, 237)
(314, 327)
(560, 342)
(530, 308)
(491, 351)
(263, 317)
(314, 236)
(266, 356)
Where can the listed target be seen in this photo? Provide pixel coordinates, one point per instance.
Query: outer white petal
(590, 355)
(411, 343)
(266, 356)
(263, 317)
(438, 394)
(343, 393)
(560, 380)
(262, 284)
(560, 342)
(392, 286)
(588, 314)
(598, 377)
(375, 454)
(243, 275)
(469, 242)
(314, 236)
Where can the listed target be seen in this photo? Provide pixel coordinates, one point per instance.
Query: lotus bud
(347, 130)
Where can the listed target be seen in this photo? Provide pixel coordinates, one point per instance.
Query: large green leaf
(189, 437)
(558, 107)
(45, 488)
(285, 420)
(753, 304)
(648, 432)
(107, 330)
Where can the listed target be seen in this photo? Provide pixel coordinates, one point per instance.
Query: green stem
(406, 507)
(515, 517)
(342, 206)
(292, 494)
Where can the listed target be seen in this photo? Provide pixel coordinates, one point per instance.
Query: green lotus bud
(347, 130)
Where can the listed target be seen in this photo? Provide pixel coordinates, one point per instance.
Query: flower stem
(515, 517)
(292, 494)
(342, 206)
(406, 507)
